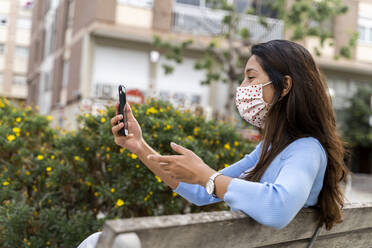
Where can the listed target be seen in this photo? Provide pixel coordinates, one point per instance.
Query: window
(23, 22)
(19, 80)
(3, 20)
(365, 29)
(190, 2)
(2, 49)
(21, 51)
(71, 10)
(1, 78)
(140, 3)
(66, 68)
(47, 81)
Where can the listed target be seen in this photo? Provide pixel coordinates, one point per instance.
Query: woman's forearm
(153, 165)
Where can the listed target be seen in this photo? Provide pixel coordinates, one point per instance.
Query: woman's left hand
(188, 167)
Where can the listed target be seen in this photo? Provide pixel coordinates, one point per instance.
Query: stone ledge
(235, 229)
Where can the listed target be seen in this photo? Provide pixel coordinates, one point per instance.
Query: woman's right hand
(134, 140)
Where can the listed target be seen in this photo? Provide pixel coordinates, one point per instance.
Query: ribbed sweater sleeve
(198, 195)
(276, 204)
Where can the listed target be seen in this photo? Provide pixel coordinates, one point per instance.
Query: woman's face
(254, 74)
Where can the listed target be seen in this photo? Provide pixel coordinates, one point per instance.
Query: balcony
(206, 21)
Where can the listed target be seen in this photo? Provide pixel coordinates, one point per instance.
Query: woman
(299, 162)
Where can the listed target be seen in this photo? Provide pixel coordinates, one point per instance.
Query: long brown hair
(305, 111)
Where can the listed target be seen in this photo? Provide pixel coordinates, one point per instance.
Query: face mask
(251, 104)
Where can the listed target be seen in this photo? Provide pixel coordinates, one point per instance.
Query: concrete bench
(235, 229)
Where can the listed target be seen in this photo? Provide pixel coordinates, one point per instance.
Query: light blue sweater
(292, 181)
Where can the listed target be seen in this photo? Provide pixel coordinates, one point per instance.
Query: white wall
(114, 66)
(184, 80)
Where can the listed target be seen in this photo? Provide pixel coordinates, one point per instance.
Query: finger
(115, 119)
(128, 111)
(180, 149)
(165, 159)
(115, 129)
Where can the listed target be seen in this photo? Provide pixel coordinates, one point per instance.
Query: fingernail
(173, 144)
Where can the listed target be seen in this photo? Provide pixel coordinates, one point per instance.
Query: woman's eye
(250, 78)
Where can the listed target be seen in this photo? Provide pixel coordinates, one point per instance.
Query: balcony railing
(206, 21)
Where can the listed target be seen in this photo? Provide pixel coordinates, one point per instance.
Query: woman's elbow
(276, 222)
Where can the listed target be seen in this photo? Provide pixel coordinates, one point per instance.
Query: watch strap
(212, 178)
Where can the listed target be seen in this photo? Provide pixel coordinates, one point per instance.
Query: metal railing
(206, 21)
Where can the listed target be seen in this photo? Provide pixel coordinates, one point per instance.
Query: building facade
(15, 27)
(82, 49)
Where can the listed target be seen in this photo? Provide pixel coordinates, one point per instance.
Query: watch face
(209, 187)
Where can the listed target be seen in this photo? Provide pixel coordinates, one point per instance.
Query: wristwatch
(210, 184)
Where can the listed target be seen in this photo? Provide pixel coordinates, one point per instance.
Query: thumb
(128, 111)
(179, 149)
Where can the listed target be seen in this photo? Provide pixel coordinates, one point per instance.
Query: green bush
(58, 186)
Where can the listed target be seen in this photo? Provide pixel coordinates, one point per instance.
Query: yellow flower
(40, 157)
(161, 110)
(119, 203)
(5, 183)
(226, 165)
(52, 157)
(28, 173)
(174, 194)
(48, 243)
(27, 133)
(109, 169)
(2, 104)
(107, 149)
(236, 143)
(77, 158)
(49, 169)
(217, 142)
(133, 156)
(167, 127)
(18, 119)
(227, 146)
(137, 166)
(10, 137)
(49, 117)
(190, 138)
(158, 178)
(88, 183)
(87, 115)
(87, 148)
(112, 190)
(28, 108)
(103, 119)
(96, 194)
(151, 110)
(122, 150)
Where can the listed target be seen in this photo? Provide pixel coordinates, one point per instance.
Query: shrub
(57, 186)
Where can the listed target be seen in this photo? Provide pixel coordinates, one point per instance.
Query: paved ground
(359, 188)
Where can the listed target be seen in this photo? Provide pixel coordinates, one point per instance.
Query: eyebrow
(250, 69)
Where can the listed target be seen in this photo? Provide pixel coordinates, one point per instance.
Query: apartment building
(15, 26)
(82, 49)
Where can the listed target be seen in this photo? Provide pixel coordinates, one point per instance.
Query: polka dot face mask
(251, 105)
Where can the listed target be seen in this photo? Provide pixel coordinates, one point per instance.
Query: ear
(287, 85)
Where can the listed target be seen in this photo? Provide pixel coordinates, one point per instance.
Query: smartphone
(122, 102)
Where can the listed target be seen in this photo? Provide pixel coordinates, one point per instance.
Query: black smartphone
(122, 102)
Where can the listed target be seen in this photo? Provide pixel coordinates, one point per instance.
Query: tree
(358, 130)
(225, 56)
